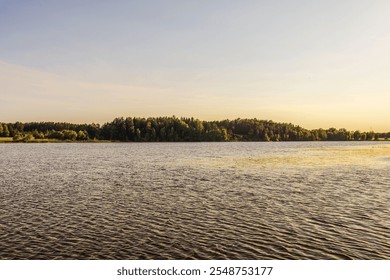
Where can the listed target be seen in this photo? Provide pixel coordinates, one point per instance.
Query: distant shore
(174, 129)
(9, 140)
(6, 140)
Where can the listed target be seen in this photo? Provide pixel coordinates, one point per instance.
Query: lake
(288, 200)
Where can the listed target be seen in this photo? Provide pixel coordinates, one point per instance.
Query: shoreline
(45, 141)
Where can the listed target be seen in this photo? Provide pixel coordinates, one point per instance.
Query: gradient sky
(312, 63)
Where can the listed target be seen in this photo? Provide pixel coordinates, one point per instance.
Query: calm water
(315, 200)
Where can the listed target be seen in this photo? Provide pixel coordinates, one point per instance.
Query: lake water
(296, 200)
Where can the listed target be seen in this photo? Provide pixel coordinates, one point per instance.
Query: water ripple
(194, 201)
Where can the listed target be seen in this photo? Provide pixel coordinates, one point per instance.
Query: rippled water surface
(313, 200)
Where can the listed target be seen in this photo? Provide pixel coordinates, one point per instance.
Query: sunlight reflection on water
(305, 157)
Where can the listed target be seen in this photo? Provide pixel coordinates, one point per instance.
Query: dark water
(195, 201)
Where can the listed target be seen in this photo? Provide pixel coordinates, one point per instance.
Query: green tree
(138, 134)
(18, 126)
(162, 134)
(28, 137)
(82, 135)
(55, 135)
(266, 137)
(357, 135)
(38, 135)
(17, 137)
(130, 130)
(153, 134)
(5, 130)
(69, 135)
(370, 135)
(225, 135)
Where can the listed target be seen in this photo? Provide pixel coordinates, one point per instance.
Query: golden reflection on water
(307, 157)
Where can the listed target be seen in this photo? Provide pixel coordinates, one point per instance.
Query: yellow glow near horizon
(38, 96)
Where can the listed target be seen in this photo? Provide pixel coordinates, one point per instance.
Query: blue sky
(312, 63)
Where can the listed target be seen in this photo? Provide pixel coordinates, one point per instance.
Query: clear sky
(313, 63)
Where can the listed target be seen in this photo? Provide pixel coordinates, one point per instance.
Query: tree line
(173, 129)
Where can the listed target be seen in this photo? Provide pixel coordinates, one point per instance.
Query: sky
(317, 64)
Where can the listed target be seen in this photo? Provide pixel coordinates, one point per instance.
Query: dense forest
(173, 129)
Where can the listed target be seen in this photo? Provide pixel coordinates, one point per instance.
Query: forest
(174, 129)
